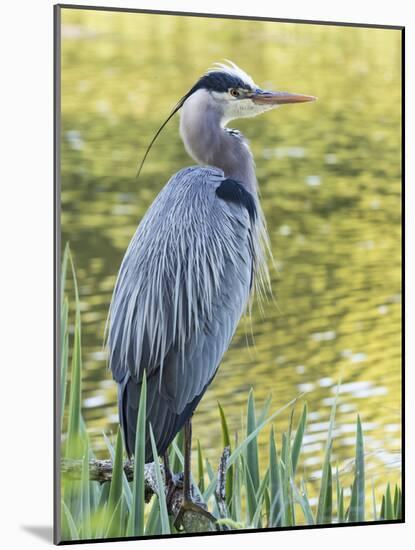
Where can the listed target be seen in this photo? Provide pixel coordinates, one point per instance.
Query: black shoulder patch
(232, 191)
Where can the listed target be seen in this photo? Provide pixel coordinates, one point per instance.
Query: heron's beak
(263, 97)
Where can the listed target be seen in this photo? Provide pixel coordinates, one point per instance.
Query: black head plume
(156, 135)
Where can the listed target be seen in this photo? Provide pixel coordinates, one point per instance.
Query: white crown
(234, 70)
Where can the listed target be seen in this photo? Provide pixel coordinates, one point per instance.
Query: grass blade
(165, 524)
(64, 354)
(128, 496)
(103, 499)
(325, 496)
(114, 523)
(277, 513)
(73, 449)
(302, 500)
(360, 472)
(339, 498)
(398, 505)
(153, 523)
(236, 508)
(137, 521)
(265, 409)
(200, 470)
(64, 269)
(357, 502)
(398, 513)
(252, 447)
(251, 502)
(260, 495)
(176, 454)
(74, 443)
(388, 504)
(337, 491)
(326, 493)
(267, 504)
(226, 442)
(395, 501)
(256, 520)
(287, 481)
(382, 508)
(298, 440)
(85, 497)
(351, 516)
(374, 512)
(341, 513)
(116, 491)
(210, 490)
(328, 512)
(117, 470)
(69, 530)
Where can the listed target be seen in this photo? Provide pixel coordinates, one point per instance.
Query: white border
(26, 202)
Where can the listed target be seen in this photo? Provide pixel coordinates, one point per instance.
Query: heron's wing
(182, 287)
(187, 372)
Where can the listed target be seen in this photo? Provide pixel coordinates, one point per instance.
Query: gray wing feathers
(181, 290)
(203, 354)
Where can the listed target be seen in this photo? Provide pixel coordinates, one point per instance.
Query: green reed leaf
(388, 504)
(277, 512)
(200, 470)
(325, 496)
(69, 530)
(165, 524)
(116, 487)
(298, 440)
(252, 447)
(137, 522)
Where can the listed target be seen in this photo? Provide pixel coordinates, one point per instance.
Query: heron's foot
(194, 516)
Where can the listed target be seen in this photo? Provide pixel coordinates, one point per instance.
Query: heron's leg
(168, 476)
(187, 484)
(188, 504)
(169, 481)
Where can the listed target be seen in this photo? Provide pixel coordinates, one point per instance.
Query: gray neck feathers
(208, 142)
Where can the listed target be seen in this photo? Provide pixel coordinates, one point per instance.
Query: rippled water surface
(330, 180)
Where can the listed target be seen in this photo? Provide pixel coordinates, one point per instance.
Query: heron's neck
(208, 142)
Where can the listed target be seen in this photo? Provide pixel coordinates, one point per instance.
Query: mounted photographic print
(228, 274)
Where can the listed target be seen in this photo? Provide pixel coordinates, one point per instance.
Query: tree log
(101, 471)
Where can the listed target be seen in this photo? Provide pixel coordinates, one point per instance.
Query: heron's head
(230, 93)
(234, 94)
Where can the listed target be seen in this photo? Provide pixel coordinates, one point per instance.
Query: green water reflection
(329, 175)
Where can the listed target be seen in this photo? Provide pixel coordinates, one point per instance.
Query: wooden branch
(101, 471)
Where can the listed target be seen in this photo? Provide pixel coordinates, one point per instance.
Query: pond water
(330, 181)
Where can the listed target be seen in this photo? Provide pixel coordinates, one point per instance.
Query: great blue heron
(191, 265)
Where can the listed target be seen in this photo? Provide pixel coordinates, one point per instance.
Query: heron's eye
(234, 92)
